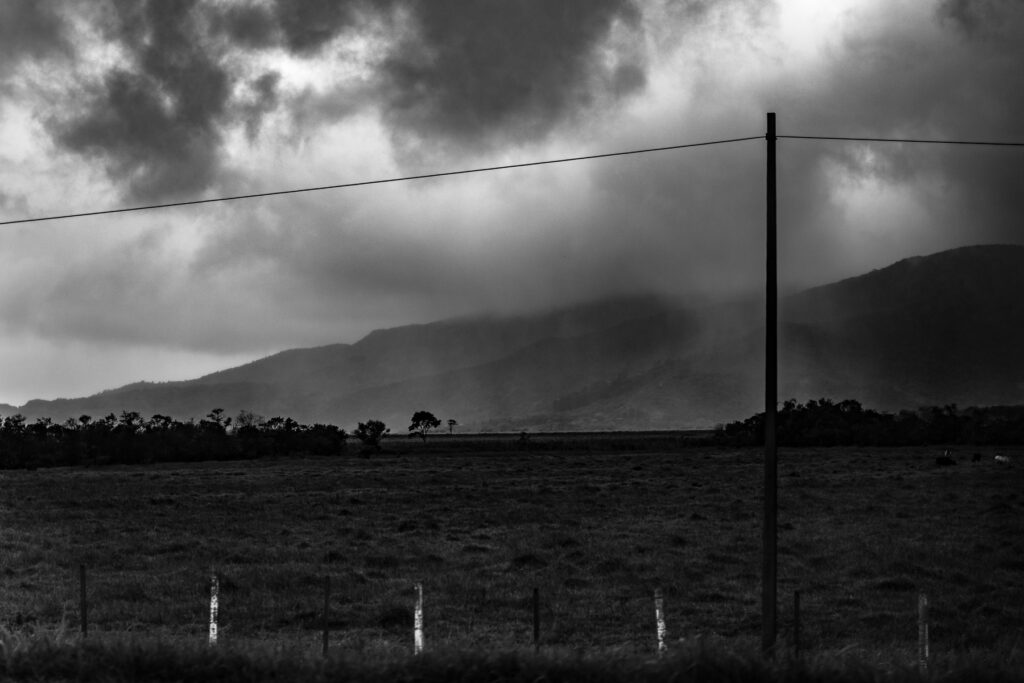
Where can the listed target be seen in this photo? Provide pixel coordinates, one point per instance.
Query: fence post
(418, 621)
(659, 616)
(536, 620)
(796, 624)
(214, 605)
(922, 631)
(327, 610)
(83, 605)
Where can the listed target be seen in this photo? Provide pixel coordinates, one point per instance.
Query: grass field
(43, 660)
(861, 532)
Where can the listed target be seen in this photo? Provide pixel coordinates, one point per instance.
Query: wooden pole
(83, 605)
(327, 611)
(769, 559)
(536, 620)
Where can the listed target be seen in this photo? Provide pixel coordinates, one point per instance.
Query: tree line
(133, 439)
(824, 422)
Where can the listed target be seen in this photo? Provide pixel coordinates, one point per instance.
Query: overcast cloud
(108, 103)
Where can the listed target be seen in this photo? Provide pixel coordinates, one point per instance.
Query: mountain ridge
(936, 329)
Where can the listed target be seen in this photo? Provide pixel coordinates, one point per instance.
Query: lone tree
(370, 433)
(423, 422)
(452, 424)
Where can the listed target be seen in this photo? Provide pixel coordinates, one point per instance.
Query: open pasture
(861, 532)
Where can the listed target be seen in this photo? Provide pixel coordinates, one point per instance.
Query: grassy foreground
(861, 532)
(45, 659)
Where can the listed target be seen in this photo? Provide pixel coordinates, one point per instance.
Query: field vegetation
(862, 531)
(47, 660)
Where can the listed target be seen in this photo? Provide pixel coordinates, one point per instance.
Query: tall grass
(54, 657)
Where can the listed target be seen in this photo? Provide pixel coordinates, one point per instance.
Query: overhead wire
(380, 181)
(484, 169)
(910, 140)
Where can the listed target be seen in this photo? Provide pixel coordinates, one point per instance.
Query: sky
(115, 103)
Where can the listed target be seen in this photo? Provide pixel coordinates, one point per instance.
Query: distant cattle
(1002, 459)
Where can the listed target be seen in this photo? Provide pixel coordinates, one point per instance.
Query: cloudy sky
(108, 103)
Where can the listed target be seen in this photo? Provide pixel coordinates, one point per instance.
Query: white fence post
(418, 621)
(214, 605)
(659, 616)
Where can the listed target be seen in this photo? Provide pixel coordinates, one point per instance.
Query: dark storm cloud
(247, 25)
(30, 29)
(307, 25)
(470, 70)
(465, 72)
(300, 26)
(158, 120)
(155, 121)
(451, 71)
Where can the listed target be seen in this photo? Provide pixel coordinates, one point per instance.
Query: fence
(594, 535)
(658, 636)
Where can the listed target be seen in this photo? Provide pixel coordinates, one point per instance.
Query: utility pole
(771, 380)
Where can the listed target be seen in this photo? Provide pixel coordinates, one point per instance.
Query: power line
(928, 142)
(484, 169)
(381, 181)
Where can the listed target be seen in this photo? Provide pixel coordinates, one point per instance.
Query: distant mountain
(933, 330)
(940, 329)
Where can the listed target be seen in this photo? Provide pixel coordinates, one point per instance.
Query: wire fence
(645, 624)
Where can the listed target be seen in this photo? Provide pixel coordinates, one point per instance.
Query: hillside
(946, 328)
(939, 329)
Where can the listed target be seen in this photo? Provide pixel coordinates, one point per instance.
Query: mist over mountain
(931, 330)
(939, 329)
